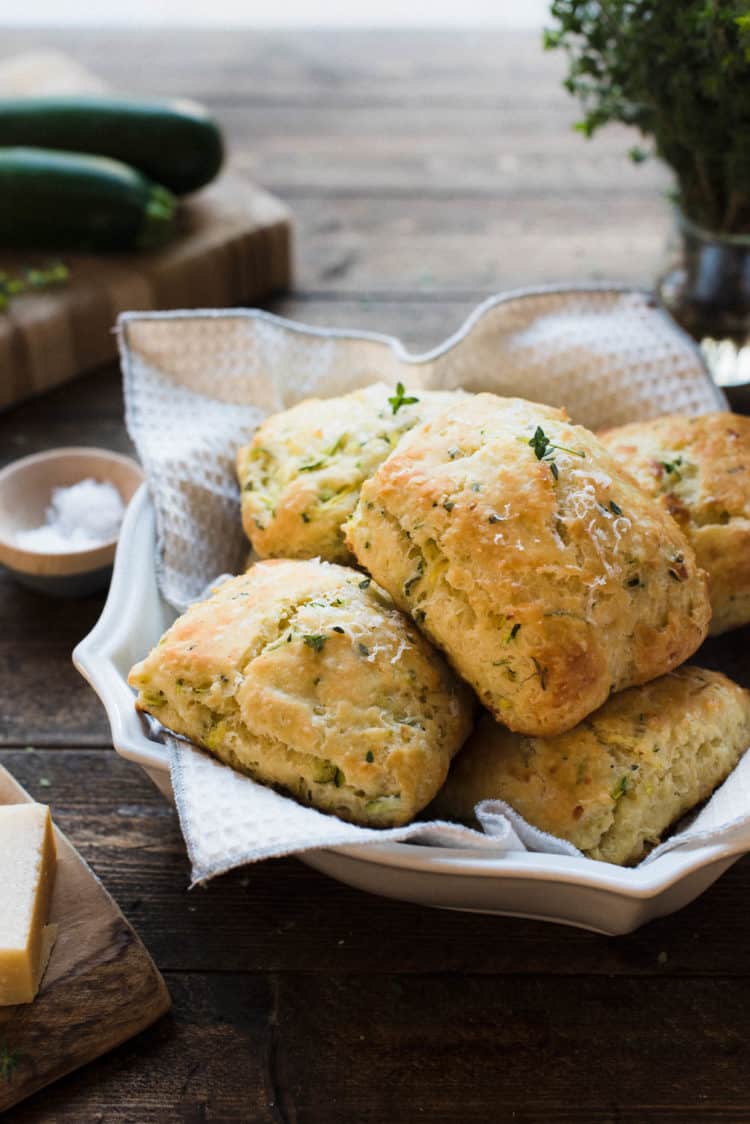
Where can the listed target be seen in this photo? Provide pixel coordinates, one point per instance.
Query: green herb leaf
(401, 398)
(315, 641)
(9, 1060)
(312, 465)
(365, 583)
(542, 447)
(12, 285)
(615, 508)
(539, 442)
(369, 756)
(621, 787)
(678, 74)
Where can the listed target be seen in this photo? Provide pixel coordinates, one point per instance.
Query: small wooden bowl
(25, 493)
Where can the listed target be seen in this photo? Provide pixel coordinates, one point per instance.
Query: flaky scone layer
(536, 564)
(699, 470)
(300, 475)
(615, 783)
(305, 676)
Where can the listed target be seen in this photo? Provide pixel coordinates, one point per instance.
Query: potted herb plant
(679, 72)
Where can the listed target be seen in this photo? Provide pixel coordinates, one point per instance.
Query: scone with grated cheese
(699, 469)
(542, 570)
(614, 784)
(300, 476)
(305, 676)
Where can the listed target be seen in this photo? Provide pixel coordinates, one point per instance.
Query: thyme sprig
(13, 285)
(680, 74)
(401, 398)
(543, 447)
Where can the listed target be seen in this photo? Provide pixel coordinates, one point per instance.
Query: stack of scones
(424, 551)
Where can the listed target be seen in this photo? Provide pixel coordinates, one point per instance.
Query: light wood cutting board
(233, 248)
(101, 986)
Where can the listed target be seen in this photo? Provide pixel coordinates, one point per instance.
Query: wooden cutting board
(233, 248)
(101, 986)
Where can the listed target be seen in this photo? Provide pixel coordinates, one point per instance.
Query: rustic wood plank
(233, 247)
(426, 151)
(341, 67)
(361, 244)
(282, 916)
(305, 1048)
(100, 987)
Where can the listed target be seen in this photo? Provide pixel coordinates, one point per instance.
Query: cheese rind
(27, 874)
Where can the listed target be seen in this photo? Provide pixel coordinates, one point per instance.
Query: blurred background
(427, 152)
(294, 13)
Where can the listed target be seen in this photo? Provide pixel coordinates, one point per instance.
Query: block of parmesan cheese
(27, 875)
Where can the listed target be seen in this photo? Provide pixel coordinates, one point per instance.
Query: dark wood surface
(425, 171)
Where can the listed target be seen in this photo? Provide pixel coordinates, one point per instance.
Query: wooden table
(426, 170)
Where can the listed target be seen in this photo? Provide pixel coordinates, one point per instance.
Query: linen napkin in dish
(196, 386)
(228, 820)
(198, 383)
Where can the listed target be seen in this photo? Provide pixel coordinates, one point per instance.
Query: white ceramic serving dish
(573, 891)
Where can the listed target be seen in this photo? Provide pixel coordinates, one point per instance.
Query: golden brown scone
(520, 548)
(304, 676)
(615, 783)
(300, 476)
(699, 468)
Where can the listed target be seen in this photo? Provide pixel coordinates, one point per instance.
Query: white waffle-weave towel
(197, 384)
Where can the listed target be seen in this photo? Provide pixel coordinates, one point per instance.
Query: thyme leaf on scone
(541, 445)
(315, 641)
(401, 398)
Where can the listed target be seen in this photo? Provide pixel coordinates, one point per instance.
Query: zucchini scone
(614, 784)
(300, 475)
(699, 470)
(545, 574)
(305, 676)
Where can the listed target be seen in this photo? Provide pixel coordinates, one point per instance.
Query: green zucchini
(63, 200)
(176, 144)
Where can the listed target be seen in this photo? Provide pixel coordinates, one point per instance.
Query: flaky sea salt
(80, 517)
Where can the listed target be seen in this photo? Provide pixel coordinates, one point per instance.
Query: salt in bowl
(26, 487)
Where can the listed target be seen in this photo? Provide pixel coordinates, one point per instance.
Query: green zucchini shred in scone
(304, 676)
(301, 474)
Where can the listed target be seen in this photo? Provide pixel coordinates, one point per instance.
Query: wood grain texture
(233, 247)
(100, 988)
(274, 1048)
(424, 170)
